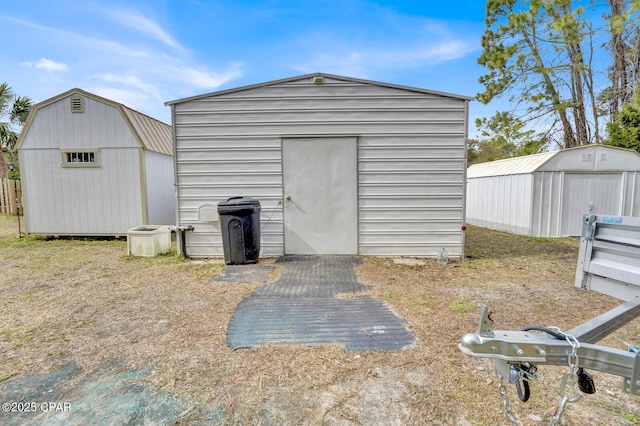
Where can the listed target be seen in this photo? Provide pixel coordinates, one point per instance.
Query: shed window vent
(587, 157)
(84, 158)
(77, 104)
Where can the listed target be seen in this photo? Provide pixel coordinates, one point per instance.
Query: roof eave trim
(317, 74)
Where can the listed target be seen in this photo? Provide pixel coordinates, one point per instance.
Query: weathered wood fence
(9, 191)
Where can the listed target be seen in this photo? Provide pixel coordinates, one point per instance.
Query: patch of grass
(462, 307)
(14, 241)
(22, 337)
(544, 240)
(425, 300)
(171, 258)
(482, 243)
(634, 418)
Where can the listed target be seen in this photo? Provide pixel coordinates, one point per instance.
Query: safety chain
(508, 412)
(569, 380)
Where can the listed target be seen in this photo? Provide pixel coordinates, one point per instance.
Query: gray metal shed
(340, 166)
(92, 166)
(546, 194)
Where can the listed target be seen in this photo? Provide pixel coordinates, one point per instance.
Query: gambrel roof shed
(93, 166)
(151, 134)
(546, 194)
(340, 165)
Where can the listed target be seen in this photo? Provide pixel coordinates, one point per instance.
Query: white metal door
(588, 194)
(320, 195)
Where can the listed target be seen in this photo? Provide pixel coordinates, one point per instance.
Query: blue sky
(144, 52)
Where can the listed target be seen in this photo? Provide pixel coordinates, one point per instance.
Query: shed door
(320, 196)
(586, 193)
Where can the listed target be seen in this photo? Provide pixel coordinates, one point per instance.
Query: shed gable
(99, 125)
(96, 114)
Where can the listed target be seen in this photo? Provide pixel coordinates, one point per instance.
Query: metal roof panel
(510, 166)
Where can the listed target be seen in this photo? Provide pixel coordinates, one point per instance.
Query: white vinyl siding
(411, 160)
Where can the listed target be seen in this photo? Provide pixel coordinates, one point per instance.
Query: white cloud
(131, 98)
(399, 42)
(364, 61)
(136, 21)
(129, 81)
(51, 66)
(448, 50)
(349, 63)
(204, 78)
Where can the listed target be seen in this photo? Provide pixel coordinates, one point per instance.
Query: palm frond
(20, 110)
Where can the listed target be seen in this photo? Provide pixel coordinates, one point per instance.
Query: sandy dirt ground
(89, 335)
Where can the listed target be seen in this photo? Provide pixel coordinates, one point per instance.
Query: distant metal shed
(546, 194)
(92, 166)
(340, 166)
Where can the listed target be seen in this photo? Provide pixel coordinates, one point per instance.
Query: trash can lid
(239, 201)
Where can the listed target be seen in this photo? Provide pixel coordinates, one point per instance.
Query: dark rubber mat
(301, 308)
(360, 324)
(315, 276)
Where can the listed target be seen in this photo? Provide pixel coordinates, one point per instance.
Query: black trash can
(240, 227)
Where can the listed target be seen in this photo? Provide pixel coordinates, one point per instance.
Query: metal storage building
(546, 194)
(92, 166)
(340, 166)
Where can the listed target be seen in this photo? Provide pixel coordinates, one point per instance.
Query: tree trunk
(579, 110)
(619, 84)
(569, 137)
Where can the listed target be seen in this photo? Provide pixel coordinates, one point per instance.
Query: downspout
(179, 230)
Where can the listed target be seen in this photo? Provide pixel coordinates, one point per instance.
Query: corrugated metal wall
(546, 204)
(547, 194)
(80, 201)
(501, 202)
(211, 168)
(411, 160)
(586, 193)
(410, 194)
(631, 205)
(550, 203)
